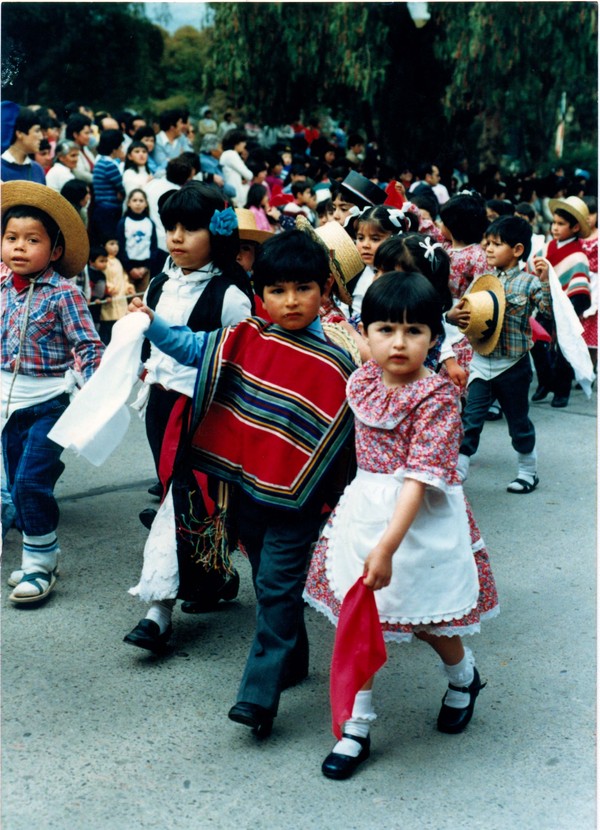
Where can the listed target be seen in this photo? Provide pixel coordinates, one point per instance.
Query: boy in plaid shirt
(505, 373)
(44, 324)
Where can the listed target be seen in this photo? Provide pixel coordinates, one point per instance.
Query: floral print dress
(441, 577)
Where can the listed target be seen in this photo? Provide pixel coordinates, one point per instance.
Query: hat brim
(490, 283)
(77, 247)
(361, 191)
(303, 224)
(251, 235)
(582, 221)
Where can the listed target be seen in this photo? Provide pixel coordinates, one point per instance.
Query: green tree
(183, 64)
(52, 53)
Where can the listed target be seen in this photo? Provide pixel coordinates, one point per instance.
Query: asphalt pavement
(97, 735)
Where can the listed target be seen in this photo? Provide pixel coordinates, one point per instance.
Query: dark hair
(592, 203)
(415, 252)
(501, 206)
(301, 186)
(75, 124)
(380, 217)
(292, 256)
(193, 158)
(74, 191)
(193, 206)
(512, 230)
(525, 209)
(169, 118)
(233, 137)
(256, 194)
(425, 168)
(129, 212)
(129, 163)
(110, 140)
(26, 119)
(179, 170)
(465, 217)
(30, 212)
(324, 207)
(97, 251)
(354, 139)
(426, 201)
(44, 145)
(403, 298)
(144, 132)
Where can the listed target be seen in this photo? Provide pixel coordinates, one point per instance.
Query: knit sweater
(573, 271)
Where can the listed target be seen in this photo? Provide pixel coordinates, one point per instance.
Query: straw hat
(361, 191)
(487, 302)
(77, 246)
(576, 208)
(344, 259)
(247, 226)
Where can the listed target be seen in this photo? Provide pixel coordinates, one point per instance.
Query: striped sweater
(573, 271)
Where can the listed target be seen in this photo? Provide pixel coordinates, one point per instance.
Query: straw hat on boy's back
(247, 227)
(344, 260)
(77, 247)
(576, 208)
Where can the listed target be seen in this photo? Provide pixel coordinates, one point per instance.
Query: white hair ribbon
(397, 217)
(354, 212)
(430, 248)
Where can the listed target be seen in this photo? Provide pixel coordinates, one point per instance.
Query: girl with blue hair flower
(204, 288)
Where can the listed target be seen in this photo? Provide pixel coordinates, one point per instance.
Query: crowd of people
(320, 341)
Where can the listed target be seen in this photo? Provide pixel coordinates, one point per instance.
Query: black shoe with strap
(339, 766)
(451, 720)
(147, 635)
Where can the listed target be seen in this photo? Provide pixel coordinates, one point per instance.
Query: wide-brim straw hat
(576, 208)
(247, 226)
(344, 260)
(361, 191)
(77, 247)
(487, 303)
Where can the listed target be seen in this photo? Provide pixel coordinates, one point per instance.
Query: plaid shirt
(59, 324)
(524, 293)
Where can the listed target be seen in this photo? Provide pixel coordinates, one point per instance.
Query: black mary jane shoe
(451, 720)
(147, 635)
(227, 592)
(339, 767)
(259, 719)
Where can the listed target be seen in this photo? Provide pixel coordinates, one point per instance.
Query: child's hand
(457, 374)
(540, 266)
(459, 315)
(137, 305)
(399, 187)
(378, 569)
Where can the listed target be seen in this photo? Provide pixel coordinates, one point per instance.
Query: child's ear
(576, 228)
(56, 253)
(362, 331)
(519, 250)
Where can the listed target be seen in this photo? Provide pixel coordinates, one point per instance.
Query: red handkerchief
(358, 651)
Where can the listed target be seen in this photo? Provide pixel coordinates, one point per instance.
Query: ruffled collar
(376, 405)
(204, 274)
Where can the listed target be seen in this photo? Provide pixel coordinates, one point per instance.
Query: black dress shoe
(560, 401)
(156, 490)
(339, 767)
(253, 715)
(228, 591)
(451, 720)
(540, 393)
(147, 635)
(147, 516)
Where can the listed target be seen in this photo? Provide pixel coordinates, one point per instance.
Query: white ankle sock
(40, 553)
(527, 466)
(359, 724)
(160, 612)
(461, 674)
(462, 466)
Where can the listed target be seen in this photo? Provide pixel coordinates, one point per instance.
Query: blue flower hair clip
(223, 222)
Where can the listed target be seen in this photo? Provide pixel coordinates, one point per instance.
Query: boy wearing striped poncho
(270, 420)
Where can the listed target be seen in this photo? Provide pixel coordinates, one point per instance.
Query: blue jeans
(33, 465)
(511, 389)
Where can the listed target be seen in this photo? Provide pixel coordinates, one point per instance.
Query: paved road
(98, 736)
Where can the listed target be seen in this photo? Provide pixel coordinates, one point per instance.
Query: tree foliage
(104, 53)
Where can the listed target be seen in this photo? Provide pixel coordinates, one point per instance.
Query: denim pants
(33, 465)
(511, 389)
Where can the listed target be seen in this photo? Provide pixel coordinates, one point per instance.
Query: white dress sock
(160, 612)
(527, 466)
(461, 674)
(359, 724)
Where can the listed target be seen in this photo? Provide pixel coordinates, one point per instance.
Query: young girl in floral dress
(403, 522)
